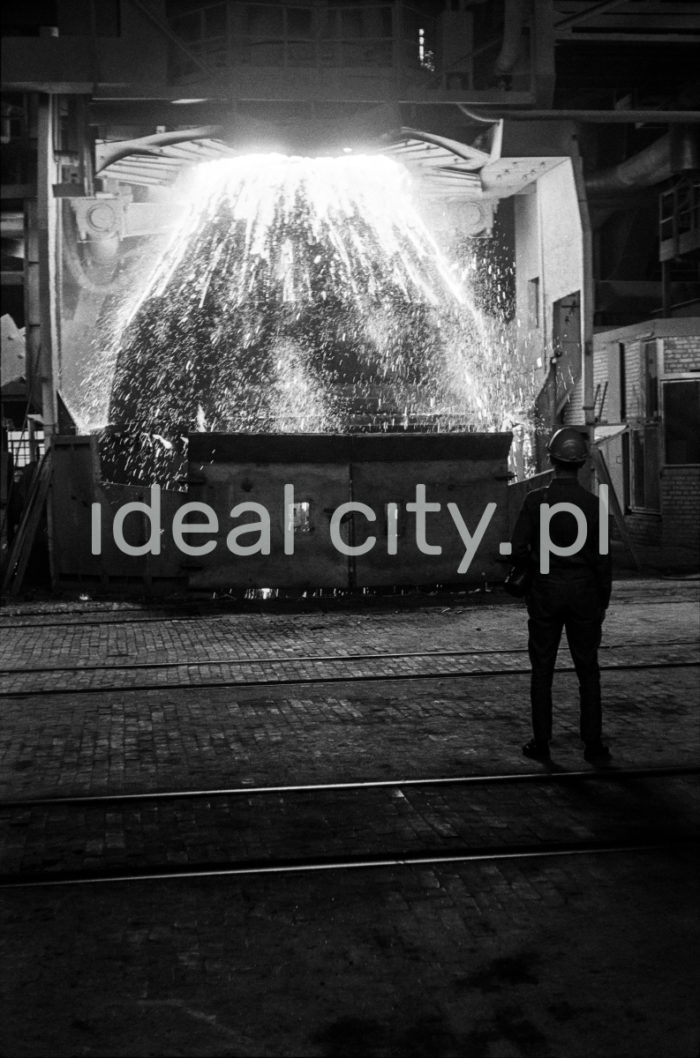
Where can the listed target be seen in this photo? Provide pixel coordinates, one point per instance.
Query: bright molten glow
(360, 209)
(296, 295)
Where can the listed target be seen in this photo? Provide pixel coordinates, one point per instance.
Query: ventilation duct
(510, 46)
(677, 151)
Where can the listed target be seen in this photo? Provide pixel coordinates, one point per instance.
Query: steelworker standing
(573, 594)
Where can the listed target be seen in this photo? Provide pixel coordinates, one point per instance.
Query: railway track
(198, 871)
(549, 773)
(338, 826)
(268, 678)
(374, 655)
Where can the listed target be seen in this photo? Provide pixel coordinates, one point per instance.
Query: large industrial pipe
(677, 151)
(651, 166)
(512, 31)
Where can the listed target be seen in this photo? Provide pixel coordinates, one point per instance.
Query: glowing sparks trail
(297, 294)
(311, 223)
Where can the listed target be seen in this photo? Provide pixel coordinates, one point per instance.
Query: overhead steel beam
(581, 16)
(622, 36)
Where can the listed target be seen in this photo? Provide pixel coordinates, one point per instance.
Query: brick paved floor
(180, 739)
(581, 955)
(564, 958)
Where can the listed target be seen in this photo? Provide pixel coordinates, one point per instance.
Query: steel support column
(47, 247)
(587, 298)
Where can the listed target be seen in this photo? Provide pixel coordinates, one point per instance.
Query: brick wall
(644, 529)
(634, 387)
(574, 414)
(600, 367)
(680, 505)
(682, 354)
(677, 525)
(680, 486)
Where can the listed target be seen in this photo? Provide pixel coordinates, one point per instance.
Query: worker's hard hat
(568, 445)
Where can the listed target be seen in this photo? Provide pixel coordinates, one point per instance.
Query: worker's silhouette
(569, 590)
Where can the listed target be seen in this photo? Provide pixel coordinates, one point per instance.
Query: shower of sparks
(296, 295)
(310, 224)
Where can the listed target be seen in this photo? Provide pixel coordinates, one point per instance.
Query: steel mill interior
(295, 296)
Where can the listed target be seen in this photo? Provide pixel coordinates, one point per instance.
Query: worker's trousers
(565, 599)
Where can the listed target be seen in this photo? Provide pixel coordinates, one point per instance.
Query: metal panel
(236, 448)
(327, 470)
(314, 563)
(471, 485)
(72, 493)
(74, 489)
(333, 448)
(137, 529)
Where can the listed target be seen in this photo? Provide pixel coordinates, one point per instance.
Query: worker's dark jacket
(562, 532)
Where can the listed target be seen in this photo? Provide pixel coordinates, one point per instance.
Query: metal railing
(679, 219)
(22, 447)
